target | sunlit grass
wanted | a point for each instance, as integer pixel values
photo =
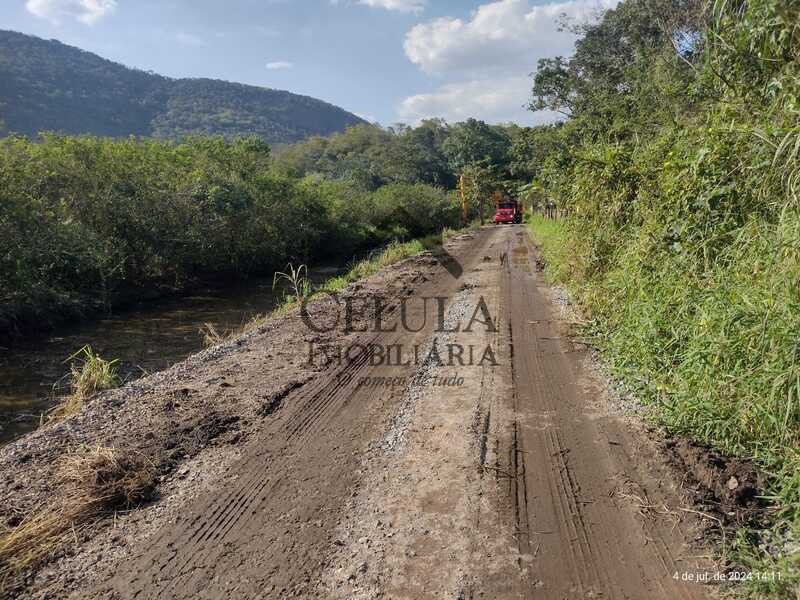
(89, 374)
(301, 289)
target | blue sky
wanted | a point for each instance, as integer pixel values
(388, 60)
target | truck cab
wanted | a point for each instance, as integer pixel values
(508, 211)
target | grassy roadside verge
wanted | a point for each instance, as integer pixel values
(710, 354)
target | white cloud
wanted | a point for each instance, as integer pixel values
(408, 6)
(495, 100)
(484, 61)
(412, 6)
(504, 34)
(279, 65)
(88, 12)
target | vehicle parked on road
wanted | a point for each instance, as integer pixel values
(508, 210)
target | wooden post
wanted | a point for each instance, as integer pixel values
(464, 206)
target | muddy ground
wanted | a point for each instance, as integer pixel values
(487, 457)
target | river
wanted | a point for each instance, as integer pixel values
(145, 339)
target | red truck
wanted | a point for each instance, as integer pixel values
(508, 211)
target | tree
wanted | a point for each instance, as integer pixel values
(419, 152)
(474, 142)
(608, 83)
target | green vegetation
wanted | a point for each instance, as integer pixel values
(393, 253)
(49, 86)
(554, 243)
(87, 223)
(677, 171)
(434, 153)
(296, 279)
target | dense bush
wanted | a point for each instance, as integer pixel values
(87, 223)
(434, 153)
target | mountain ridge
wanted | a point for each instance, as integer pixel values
(47, 85)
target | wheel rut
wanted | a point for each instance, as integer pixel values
(269, 535)
(580, 541)
(515, 481)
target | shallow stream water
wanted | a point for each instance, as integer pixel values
(146, 339)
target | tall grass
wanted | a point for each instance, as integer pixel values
(680, 182)
(296, 279)
(716, 352)
(554, 245)
(393, 253)
(89, 374)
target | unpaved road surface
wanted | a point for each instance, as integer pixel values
(486, 458)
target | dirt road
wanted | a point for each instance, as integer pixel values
(482, 456)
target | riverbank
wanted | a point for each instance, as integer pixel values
(147, 338)
(195, 413)
(88, 223)
(34, 373)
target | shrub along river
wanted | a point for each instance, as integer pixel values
(33, 373)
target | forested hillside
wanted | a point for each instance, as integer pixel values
(49, 86)
(676, 173)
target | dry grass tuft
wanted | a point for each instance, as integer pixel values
(109, 478)
(211, 335)
(89, 374)
(95, 482)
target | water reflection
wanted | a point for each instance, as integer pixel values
(147, 339)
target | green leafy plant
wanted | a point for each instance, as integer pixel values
(296, 279)
(676, 176)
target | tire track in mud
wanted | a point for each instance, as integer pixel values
(440, 488)
(580, 541)
(269, 535)
(560, 480)
(330, 391)
(233, 514)
(545, 500)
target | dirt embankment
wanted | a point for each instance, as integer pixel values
(443, 473)
(193, 422)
